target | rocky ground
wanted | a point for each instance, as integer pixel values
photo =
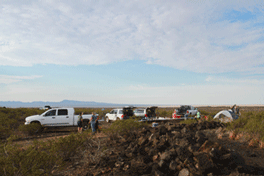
(169, 149)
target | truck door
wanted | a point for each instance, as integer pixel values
(113, 114)
(62, 118)
(49, 118)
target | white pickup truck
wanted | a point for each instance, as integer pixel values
(57, 117)
(183, 111)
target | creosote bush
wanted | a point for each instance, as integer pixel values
(30, 129)
(188, 121)
(124, 127)
(41, 157)
(12, 118)
(250, 122)
(30, 161)
(66, 147)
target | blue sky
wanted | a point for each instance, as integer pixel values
(137, 52)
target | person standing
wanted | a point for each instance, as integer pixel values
(198, 116)
(233, 108)
(79, 122)
(93, 121)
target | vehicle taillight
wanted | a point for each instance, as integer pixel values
(122, 116)
(187, 112)
(146, 115)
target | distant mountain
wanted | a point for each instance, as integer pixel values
(64, 103)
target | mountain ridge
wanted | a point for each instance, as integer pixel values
(63, 103)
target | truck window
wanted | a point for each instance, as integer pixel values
(63, 112)
(51, 113)
(140, 111)
(121, 112)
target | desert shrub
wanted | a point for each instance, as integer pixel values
(6, 125)
(164, 112)
(41, 157)
(31, 161)
(93, 151)
(188, 121)
(124, 127)
(66, 147)
(203, 112)
(30, 129)
(250, 122)
(12, 118)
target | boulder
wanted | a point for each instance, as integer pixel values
(173, 165)
(205, 163)
(183, 153)
(165, 156)
(142, 140)
(162, 130)
(232, 160)
(184, 172)
(185, 130)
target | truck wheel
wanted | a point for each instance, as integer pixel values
(39, 127)
(86, 125)
(117, 118)
(107, 119)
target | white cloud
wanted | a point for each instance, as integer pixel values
(7, 79)
(209, 78)
(186, 35)
(240, 81)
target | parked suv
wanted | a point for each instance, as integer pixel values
(119, 114)
(146, 113)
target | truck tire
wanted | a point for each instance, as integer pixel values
(86, 125)
(39, 127)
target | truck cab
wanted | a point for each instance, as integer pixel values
(57, 117)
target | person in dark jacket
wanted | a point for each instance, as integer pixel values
(79, 122)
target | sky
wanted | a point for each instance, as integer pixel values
(202, 52)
